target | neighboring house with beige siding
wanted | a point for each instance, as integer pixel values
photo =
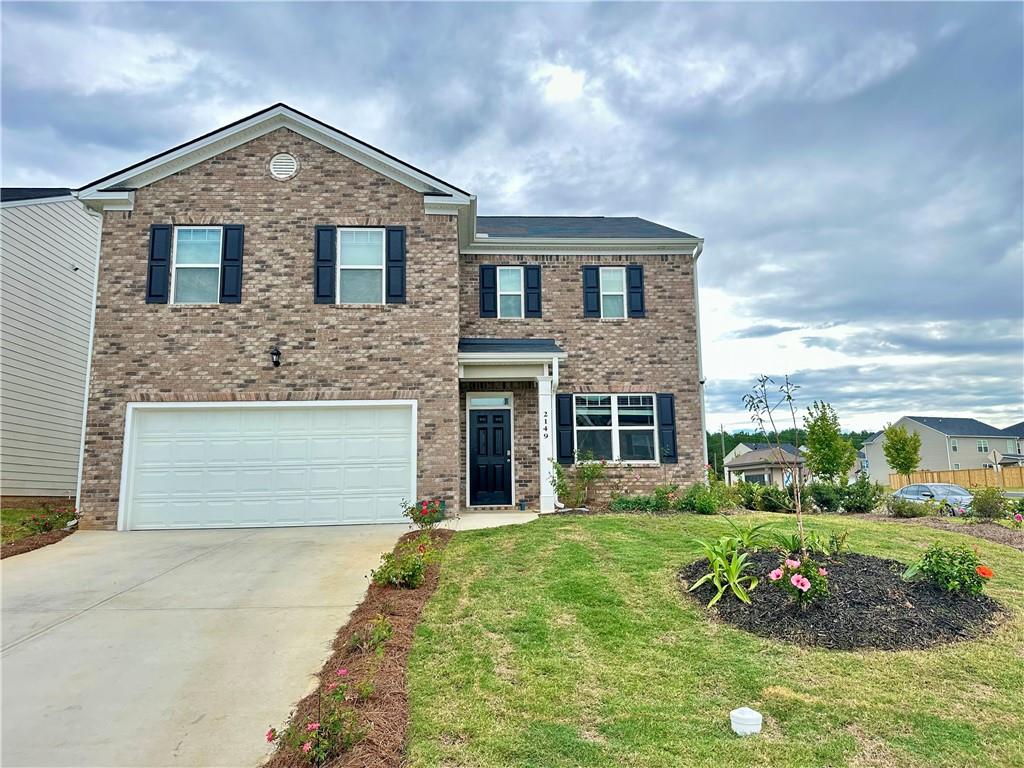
(946, 443)
(49, 245)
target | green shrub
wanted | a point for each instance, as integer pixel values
(988, 504)
(775, 499)
(900, 507)
(955, 569)
(700, 499)
(827, 497)
(406, 566)
(426, 513)
(370, 638)
(574, 483)
(749, 495)
(862, 495)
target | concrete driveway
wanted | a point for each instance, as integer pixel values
(171, 648)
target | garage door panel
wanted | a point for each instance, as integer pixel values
(267, 466)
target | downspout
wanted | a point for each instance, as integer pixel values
(88, 360)
(554, 416)
(700, 364)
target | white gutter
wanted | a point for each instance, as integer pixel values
(88, 360)
(700, 362)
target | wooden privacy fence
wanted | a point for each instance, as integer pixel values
(1006, 477)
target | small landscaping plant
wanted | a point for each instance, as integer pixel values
(49, 520)
(749, 495)
(371, 638)
(1017, 516)
(574, 483)
(827, 497)
(955, 569)
(862, 495)
(727, 569)
(802, 578)
(333, 731)
(406, 566)
(831, 544)
(752, 537)
(425, 514)
(989, 504)
(900, 507)
(775, 499)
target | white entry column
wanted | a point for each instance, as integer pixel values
(546, 418)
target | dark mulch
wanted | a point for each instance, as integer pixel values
(993, 532)
(386, 713)
(869, 607)
(35, 541)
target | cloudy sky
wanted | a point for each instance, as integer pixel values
(856, 170)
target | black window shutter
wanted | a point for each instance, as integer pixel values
(158, 271)
(563, 429)
(488, 290)
(324, 265)
(396, 265)
(231, 264)
(667, 428)
(531, 277)
(591, 292)
(635, 290)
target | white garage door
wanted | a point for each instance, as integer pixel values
(259, 466)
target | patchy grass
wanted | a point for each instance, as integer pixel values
(14, 522)
(565, 642)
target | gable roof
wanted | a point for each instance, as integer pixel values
(18, 194)
(764, 456)
(1014, 430)
(257, 124)
(574, 226)
(958, 427)
(787, 447)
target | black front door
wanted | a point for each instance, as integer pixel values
(490, 457)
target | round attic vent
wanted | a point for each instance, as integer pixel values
(283, 166)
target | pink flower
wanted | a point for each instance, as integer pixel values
(822, 572)
(800, 582)
(1019, 517)
(792, 563)
(307, 746)
(312, 727)
(775, 575)
(271, 734)
(331, 687)
(342, 672)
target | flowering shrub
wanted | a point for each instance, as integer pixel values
(49, 519)
(1017, 520)
(334, 730)
(955, 569)
(803, 579)
(406, 566)
(574, 483)
(426, 513)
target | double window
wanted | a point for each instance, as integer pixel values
(360, 266)
(616, 427)
(510, 292)
(983, 446)
(196, 257)
(613, 292)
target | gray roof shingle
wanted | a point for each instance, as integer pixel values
(500, 346)
(574, 226)
(17, 194)
(958, 427)
(1014, 430)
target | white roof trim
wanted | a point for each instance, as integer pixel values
(558, 246)
(500, 358)
(259, 125)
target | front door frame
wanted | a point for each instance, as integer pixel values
(512, 436)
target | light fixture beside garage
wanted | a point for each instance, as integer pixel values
(275, 356)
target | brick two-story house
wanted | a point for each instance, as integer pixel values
(295, 328)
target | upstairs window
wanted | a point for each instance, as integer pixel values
(360, 266)
(613, 292)
(196, 259)
(510, 292)
(616, 427)
(983, 446)
(954, 446)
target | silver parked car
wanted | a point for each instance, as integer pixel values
(954, 499)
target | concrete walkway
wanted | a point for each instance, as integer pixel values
(171, 648)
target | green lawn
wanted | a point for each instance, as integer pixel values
(12, 523)
(565, 642)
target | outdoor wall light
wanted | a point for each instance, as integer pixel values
(275, 356)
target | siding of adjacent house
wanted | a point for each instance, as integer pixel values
(45, 313)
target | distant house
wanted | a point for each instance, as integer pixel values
(49, 245)
(946, 443)
(763, 464)
(1014, 432)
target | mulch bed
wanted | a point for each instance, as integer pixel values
(869, 607)
(35, 541)
(999, 534)
(386, 713)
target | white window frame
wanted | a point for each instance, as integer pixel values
(954, 445)
(983, 446)
(615, 428)
(623, 293)
(956, 466)
(521, 293)
(175, 266)
(339, 267)
(1011, 446)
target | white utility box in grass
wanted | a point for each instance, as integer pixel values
(745, 721)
